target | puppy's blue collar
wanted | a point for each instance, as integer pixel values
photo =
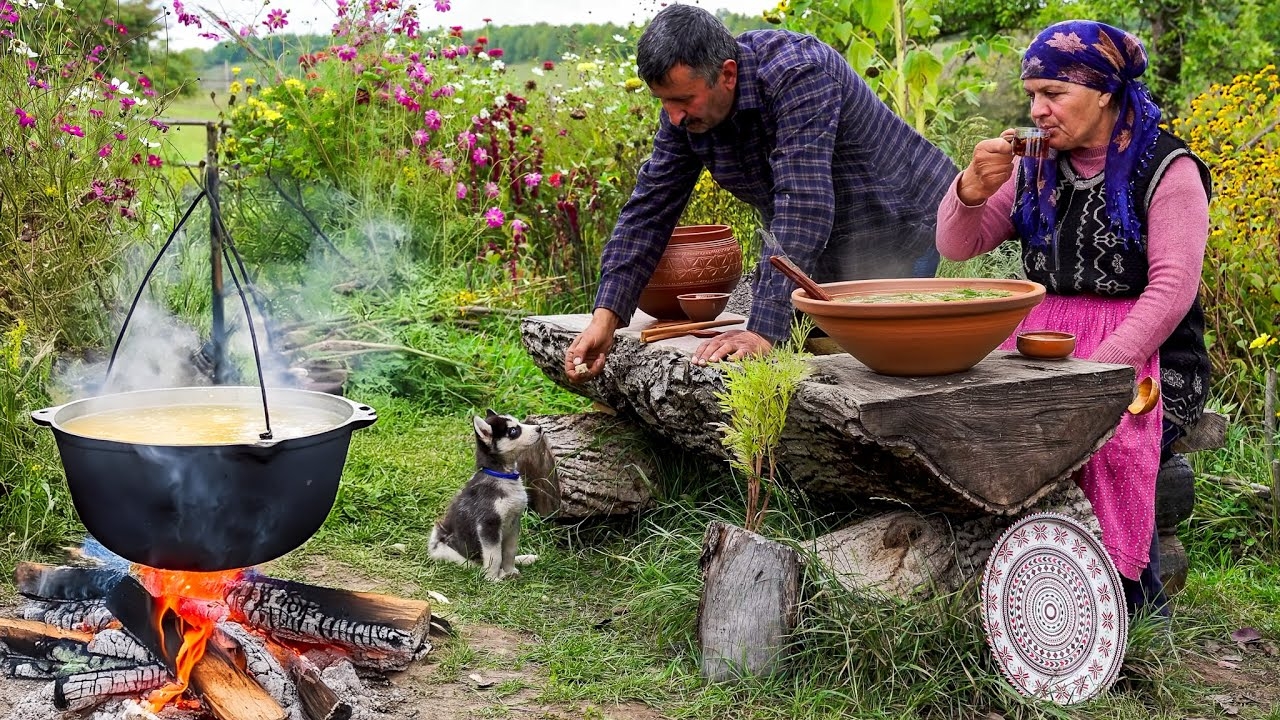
(500, 474)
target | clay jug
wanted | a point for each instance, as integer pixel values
(698, 258)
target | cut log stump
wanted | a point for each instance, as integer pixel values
(1173, 564)
(592, 465)
(750, 603)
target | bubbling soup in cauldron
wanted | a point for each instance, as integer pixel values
(952, 295)
(200, 424)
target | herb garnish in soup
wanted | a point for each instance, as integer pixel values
(951, 295)
(200, 424)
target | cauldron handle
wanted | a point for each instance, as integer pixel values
(215, 217)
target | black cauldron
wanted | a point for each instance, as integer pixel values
(205, 507)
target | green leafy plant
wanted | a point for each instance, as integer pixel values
(757, 393)
(894, 45)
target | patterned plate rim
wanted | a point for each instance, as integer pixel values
(1111, 575)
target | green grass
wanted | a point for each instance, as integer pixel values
(188, 143)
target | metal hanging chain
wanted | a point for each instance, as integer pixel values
(228, 250)
(145, 279)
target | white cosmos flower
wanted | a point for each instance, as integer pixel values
(499, 66)
(619, 38)
(538, 71)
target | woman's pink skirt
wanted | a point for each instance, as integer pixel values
(1120, 479)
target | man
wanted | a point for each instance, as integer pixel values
(779, 119)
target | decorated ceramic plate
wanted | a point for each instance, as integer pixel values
(1053, 609)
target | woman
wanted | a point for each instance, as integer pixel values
(1113, 222)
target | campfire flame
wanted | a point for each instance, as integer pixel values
(196, 598)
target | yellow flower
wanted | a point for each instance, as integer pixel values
(587, 67)
(295, 84)
(235, 88)
(633, 84)
(235, 70)
(1263, 340)
(250, 82)
(50, 190)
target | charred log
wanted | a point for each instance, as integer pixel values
(319, 701)
(25, 637)
(81, 691)
(264, 668)
(59, 582)
(120, 644)
(379, 631)
(81, 615)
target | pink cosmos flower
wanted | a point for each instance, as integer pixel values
(9, 13)
(441, 6)
(494, 217)
(24, 119)
(346, 53)
(518, 228)
(495, 53)
(121, 137)
(480, 157)
(71, 129)
(491, 190)
(532, 179)
(95, 113)
(462, 191)
(154, 161)
(432, 120)
(421, 137)
(104, 151)
(276, 19)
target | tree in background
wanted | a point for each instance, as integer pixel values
(896, 46)
(1185, 38)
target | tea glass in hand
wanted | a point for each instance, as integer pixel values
(1030, 142)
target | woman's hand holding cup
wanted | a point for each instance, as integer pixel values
(991, 166)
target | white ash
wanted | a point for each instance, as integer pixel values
(366, 703)
(82, 615)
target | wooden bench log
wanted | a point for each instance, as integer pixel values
(593, 465)
(994, 439)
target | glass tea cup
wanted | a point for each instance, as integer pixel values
(1030, 142)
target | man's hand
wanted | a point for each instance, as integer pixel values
(731, 345)
(991, 166)
(584, 359)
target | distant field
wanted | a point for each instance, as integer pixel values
(187, 144)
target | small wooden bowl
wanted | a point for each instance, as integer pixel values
(703, 306)
(1145, 396)
(1046, 344)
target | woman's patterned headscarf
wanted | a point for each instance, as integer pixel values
(1110, 60)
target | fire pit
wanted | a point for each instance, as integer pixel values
(163, 502)
(920, 326)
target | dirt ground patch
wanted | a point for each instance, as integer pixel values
(1241, 679)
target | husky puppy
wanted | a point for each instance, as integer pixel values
(482, 522)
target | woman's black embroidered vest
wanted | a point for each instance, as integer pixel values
(1087, 257)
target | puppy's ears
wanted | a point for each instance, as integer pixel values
(482, 428)
(490, 413)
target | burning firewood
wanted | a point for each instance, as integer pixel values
(319, 701)
(264, 668)
(227, 693)
(379, 631)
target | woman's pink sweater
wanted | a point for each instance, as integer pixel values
(1177, 229)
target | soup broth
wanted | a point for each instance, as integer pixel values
(200, 424)
(952, 295)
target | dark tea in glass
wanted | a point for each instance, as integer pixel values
(1030, 142)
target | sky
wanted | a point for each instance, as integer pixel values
(317, 16)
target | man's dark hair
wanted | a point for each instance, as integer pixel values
(684, 35)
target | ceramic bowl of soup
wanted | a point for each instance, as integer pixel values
(183, 479)
(920, 326)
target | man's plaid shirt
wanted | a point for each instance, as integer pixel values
(848, 189)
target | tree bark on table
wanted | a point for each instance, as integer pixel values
(995, 439)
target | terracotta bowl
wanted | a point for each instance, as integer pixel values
(1046, 344)
(703, 306)
(920, 338)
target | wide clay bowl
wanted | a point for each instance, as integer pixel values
(698, 259)
(922, 336)
(1046, 344)
(703, 306)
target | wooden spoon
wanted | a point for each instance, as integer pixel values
(799, 277)
(1145, 396)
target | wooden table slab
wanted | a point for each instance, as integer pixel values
(994, 439)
